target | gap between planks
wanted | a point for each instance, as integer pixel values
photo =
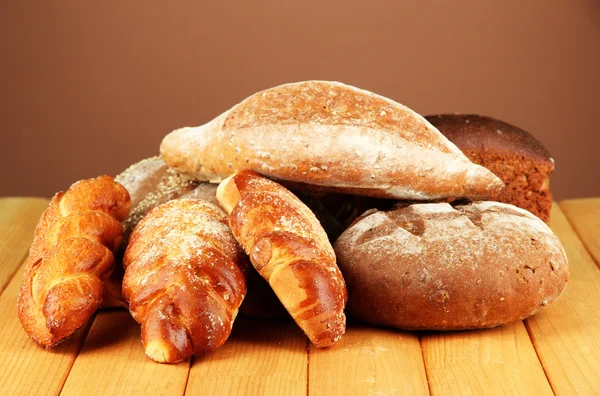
(27, 368)
(584, 217)
(565, 334)
(18, 218)
(368, 361)
(47, 366)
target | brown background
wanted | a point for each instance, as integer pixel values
(89, 87)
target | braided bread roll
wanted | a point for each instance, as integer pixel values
(184, 279)
(70, 258)
(289, 248)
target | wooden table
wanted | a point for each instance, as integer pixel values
(556, 351)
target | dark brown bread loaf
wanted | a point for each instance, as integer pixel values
(512, 154)
(439, 267)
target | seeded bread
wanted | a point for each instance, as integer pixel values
(439, 267)
(151, 182)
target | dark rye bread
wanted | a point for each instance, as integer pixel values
(512, 154)
(443, 267)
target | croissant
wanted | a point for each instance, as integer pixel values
(70, 258)
(184, 279)
(290, 249)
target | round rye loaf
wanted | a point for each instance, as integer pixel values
(443, 267)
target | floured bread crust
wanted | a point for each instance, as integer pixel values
(331, 135)
(151, 182)
(184, 279)
(289, 248)
(439, 267)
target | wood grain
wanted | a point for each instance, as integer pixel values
(270, 357)
(584, 216)
(112, 362)
(261, 357)
(25, 368)
(18, 218)
(368, 361)
(494, 361)
(566, 334)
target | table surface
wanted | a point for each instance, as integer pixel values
(556, 351)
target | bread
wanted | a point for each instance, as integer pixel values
(151, 182)
(70, 258)
(184, 279)
(438, 267)
(261, 301)
(289, 248)
(512, 154)
(334, 136)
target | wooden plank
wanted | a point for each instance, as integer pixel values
(566, 334)
(584, 216)
(496, 361)
(25, 368)
(112, 362)
(261, 357)
(18, 218)
(368, 361)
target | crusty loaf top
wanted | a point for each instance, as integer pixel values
(413, 228)
(334, 136)
(333, 103)
(444, 267)
(481, 133)
(442, 220)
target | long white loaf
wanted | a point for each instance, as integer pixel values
(334, 136)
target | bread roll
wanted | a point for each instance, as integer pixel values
(289, 248)
(71, 258)
(334, 136)
(438, 267)
(184, 279)
(151, 182)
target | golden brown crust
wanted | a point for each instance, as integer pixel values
(438, 267)
(261, 301)
(290, 249)
(151, 182)
(70, 258)
(184, 279)
(359, 143)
